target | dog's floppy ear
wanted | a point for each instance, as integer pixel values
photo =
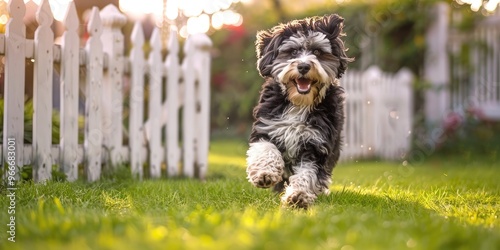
(331, 26)
(267, 49)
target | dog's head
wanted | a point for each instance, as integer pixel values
(305, 56)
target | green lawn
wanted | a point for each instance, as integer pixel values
(443, 203)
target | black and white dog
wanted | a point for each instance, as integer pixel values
(295, 140)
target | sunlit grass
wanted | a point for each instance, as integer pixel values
(438, 204)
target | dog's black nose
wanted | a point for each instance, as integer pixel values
(303, 68)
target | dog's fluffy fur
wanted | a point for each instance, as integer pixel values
(295, 140)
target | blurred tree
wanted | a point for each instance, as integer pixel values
(236, 82)
(278, 7)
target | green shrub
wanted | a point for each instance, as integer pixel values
(471, 138)
(28, 123)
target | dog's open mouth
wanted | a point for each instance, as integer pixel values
(303, 85)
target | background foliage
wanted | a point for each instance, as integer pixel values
(389, 33)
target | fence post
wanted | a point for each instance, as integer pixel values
(436, 66)
(15, 53)
(42, 94)
(136, 128)
(154, 108)
(93, 124)
(112, 89)
(69, 94)
(202, 63)
(172, 126)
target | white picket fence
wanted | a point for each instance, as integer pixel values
(379, 114)
(477, 85)
(106, 69)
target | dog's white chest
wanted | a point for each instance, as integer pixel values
(292, 131)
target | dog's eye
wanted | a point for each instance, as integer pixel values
(295, 52)
(317, 52)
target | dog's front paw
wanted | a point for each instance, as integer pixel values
(265, 179)
(297, 198)
(264, 164)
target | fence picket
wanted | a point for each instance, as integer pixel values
(154, 108)
(404, 81)
(42, 94)
(93, 124)
(172, 126)
(136, 129)
(69, 95)
(202, 46)
(347, 133)
(371, 78)
(15, 51)
(188, 122)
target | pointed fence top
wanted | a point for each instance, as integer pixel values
(137, 35)
(71, 19)
(155, 40)
(44, 15)
(111, 16)
(94, 25)
(17, 9)
(173, 43)
(188, 45)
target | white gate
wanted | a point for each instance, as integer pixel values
(379, 114)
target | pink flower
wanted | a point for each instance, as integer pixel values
(452, 121)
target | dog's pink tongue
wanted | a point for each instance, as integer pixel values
(303, 84)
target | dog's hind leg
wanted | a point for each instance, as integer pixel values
(264, 164)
